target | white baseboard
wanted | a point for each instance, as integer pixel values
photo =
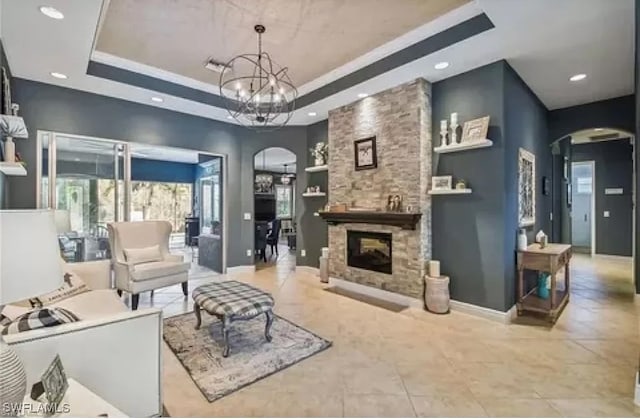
(308, 269)
(613, 257)
(241, 269)
(483, 312)
(486, 313)
(377, 293)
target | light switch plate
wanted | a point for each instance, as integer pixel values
(247, 216)
(249, 252)
(303, 253)
(606, 214)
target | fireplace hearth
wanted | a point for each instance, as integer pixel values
(371, 251)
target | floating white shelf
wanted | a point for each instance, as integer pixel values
(450, 192)
(322, 168)
(463, 146)
(13, 169)
(312, 194)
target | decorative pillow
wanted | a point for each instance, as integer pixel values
(10, 312)
(36, 319)
(143, 254)
(73, 285)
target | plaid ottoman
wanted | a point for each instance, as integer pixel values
(230, 301)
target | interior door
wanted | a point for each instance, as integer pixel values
(582, 208)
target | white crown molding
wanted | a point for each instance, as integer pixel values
(147, 70)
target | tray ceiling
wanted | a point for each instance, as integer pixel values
(310, 37)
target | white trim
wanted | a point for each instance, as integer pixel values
(377, 293)
(613, 257)
(241, 269)
(123, 63)
(308, 269)
(504, 317)
(466, 308)
(636, 400)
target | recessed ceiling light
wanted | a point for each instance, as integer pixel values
(312, 114)
(51, 12)
(157, 99)
(362, 95)
(58, 75)
(599, 129)
(578, 77)
(229, 117)
(441, 66)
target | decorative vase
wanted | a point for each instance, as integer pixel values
(436, 294)
(522, 240)
(320, 161)
(543, 285)
(9, 150)
(13, 382)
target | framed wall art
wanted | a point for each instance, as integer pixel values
(441, 183)
(475, 130)
(526, 188)
(263, 184)
(366, 156)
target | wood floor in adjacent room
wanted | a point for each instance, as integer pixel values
(413, 363)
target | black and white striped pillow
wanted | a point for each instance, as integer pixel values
(44, 317)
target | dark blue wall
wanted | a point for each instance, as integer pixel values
(616, 113)
(525, 127)
(162, 171)
(468, 230)
(474, 236)
(614, 169)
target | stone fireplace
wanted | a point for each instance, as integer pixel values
(370, 251)
(382, 255)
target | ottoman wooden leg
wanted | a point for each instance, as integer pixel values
(267, 328)
(196, 310)
(226, 325)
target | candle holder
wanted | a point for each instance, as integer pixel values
(454, 134)
(454, 129)
(443, 133)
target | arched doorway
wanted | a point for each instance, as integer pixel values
(594, 196)
(274, 208)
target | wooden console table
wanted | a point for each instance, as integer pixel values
(550, 259)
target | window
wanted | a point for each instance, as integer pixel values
(161, 201)
(284, 201)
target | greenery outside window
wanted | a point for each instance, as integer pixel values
(284, 201)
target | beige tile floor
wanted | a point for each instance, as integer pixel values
(414, 363)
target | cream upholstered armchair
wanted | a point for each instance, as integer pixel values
(141, 258)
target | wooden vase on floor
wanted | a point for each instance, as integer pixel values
(436, 294)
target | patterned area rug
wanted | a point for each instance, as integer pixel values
(251, 357)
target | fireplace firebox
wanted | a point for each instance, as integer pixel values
(370, 251)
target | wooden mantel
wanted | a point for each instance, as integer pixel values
(404, 220)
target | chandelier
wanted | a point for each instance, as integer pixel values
(258, 91)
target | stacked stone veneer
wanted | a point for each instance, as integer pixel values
(400, 118)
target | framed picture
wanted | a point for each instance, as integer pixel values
(475, 130)
(441, 183)
(394, 203)
(526, 188)
(366, 156)
(54, 382)
(263, 184)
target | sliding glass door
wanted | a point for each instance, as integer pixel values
(84, 180)
(93, 182)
